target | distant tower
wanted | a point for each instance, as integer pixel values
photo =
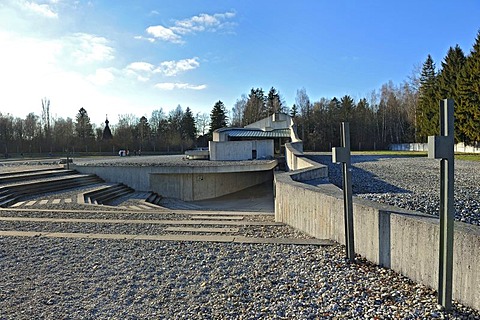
(107, 133)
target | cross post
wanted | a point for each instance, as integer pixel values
(441, 147)
(342, 155)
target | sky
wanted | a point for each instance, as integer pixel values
(133, 57)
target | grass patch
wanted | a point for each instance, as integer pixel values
(392, 153)
(458, 156)
(467, 156)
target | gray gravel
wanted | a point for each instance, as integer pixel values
(161, 161)
(64, 278)
(105, 279)
(410, 182)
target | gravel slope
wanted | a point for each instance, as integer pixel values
(410, 182)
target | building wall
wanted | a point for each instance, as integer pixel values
(240, 150)
(275, 121)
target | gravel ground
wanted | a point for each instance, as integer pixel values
(410, 182)
(64, 278)
(162, 161)
(109, 279)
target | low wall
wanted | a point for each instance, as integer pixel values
(405, 241)
(295, 158)
(459, 147)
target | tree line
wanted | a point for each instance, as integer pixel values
(395, 113)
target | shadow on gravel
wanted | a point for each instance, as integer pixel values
(362, 181)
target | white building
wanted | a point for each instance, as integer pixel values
(260, 140)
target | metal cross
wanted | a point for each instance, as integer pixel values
(342, 154)
(441, 147)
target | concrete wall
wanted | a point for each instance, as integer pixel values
(402, 240)
(297, 161)
(274, 121)
(459, 147)
(240, 150)
(200, 186)
(187, 183)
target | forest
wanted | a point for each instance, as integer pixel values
(395, 113)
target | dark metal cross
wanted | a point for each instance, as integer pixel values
(342, 154)
(441, 147)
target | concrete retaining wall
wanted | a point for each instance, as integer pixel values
(200, 186)
(187, 183)
(405, 241)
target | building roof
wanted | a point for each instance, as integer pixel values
(257, 133)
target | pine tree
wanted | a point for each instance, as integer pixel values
(452, 66)
(274, 102)
(468, 104)
(255, 108)
(189, 129)
(427, 108)
(218, 117)
(83, 127)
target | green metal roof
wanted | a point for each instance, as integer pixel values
(249, 133)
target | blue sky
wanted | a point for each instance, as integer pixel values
(133, 57)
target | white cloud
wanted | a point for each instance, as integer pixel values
(33, 68)
(172, 68)
(143, 71)
(175, 85)
(151, 40)
(165, 34)
(141, 66)
(40, 9)
(101, 77)
(201, 23)
(87, 48)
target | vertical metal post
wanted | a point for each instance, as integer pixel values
(342, 154)
(441, 147)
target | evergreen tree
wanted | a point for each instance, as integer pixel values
(189, 129)
(142, 132)
(427, 107)
(255, 107)
(468, 104)
(347, 108)
(452, 66)
(218, 117)
(294, 111)
(274, 102)
(83, 127)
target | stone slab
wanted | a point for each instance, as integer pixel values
(18, 204)
(167, 222)
(56, 201)
(209, 230)
(173, 237)
(316, 242)
(216, 218)
(43, 202)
